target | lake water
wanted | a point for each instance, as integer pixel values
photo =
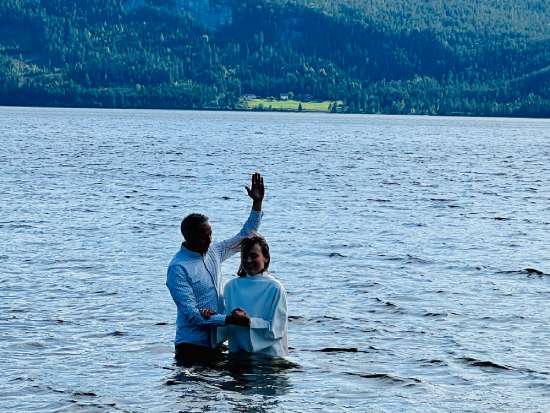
(415, 252)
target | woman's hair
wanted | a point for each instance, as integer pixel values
(247, 244)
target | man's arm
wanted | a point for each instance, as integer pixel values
(227, 248)
(184, 297)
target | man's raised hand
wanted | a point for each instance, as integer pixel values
(256, 191)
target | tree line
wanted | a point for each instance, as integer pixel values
(413, 57)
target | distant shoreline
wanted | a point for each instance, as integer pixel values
(305, 111)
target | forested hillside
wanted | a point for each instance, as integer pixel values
(486, 57)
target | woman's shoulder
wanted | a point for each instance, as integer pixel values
(266, 278)
(273, 281)
(233, 281)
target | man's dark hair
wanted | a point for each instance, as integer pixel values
(246, 246)
(190, 223)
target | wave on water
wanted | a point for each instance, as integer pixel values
(443, 200)
(336, 255)
(79, 399)
(525, 271)
(378, 200)
(117, 333)
(407, 259)
(386, 303)
(340, 350)
(84, 393)
(389, 378)
(431, 314)
(321, 319)
(485, 363)
(434, 362)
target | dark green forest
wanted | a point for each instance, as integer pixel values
(454, 57)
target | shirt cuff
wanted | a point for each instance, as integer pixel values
(218, 319)
(258, 214)
(256, 322)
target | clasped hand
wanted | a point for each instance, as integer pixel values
(238, 316)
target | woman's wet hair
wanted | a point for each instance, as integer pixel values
(247, 244)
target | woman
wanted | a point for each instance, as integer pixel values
(260, 297)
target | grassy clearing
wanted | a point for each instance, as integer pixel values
(290, 104)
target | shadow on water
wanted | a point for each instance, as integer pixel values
(245, 374)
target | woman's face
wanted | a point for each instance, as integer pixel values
(253, 261)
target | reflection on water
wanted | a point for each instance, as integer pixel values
(254, 374)
(248, 375)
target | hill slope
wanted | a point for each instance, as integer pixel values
(416, 56)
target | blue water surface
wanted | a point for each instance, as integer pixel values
(415, 252)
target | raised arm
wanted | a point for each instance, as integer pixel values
(184, 297)
(256, 192)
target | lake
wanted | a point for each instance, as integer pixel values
(415, 252)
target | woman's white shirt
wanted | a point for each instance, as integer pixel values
(264, 300)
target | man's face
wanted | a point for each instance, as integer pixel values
(201, 238)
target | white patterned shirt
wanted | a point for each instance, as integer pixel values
(194, 281)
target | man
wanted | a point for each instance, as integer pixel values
(194, 280)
